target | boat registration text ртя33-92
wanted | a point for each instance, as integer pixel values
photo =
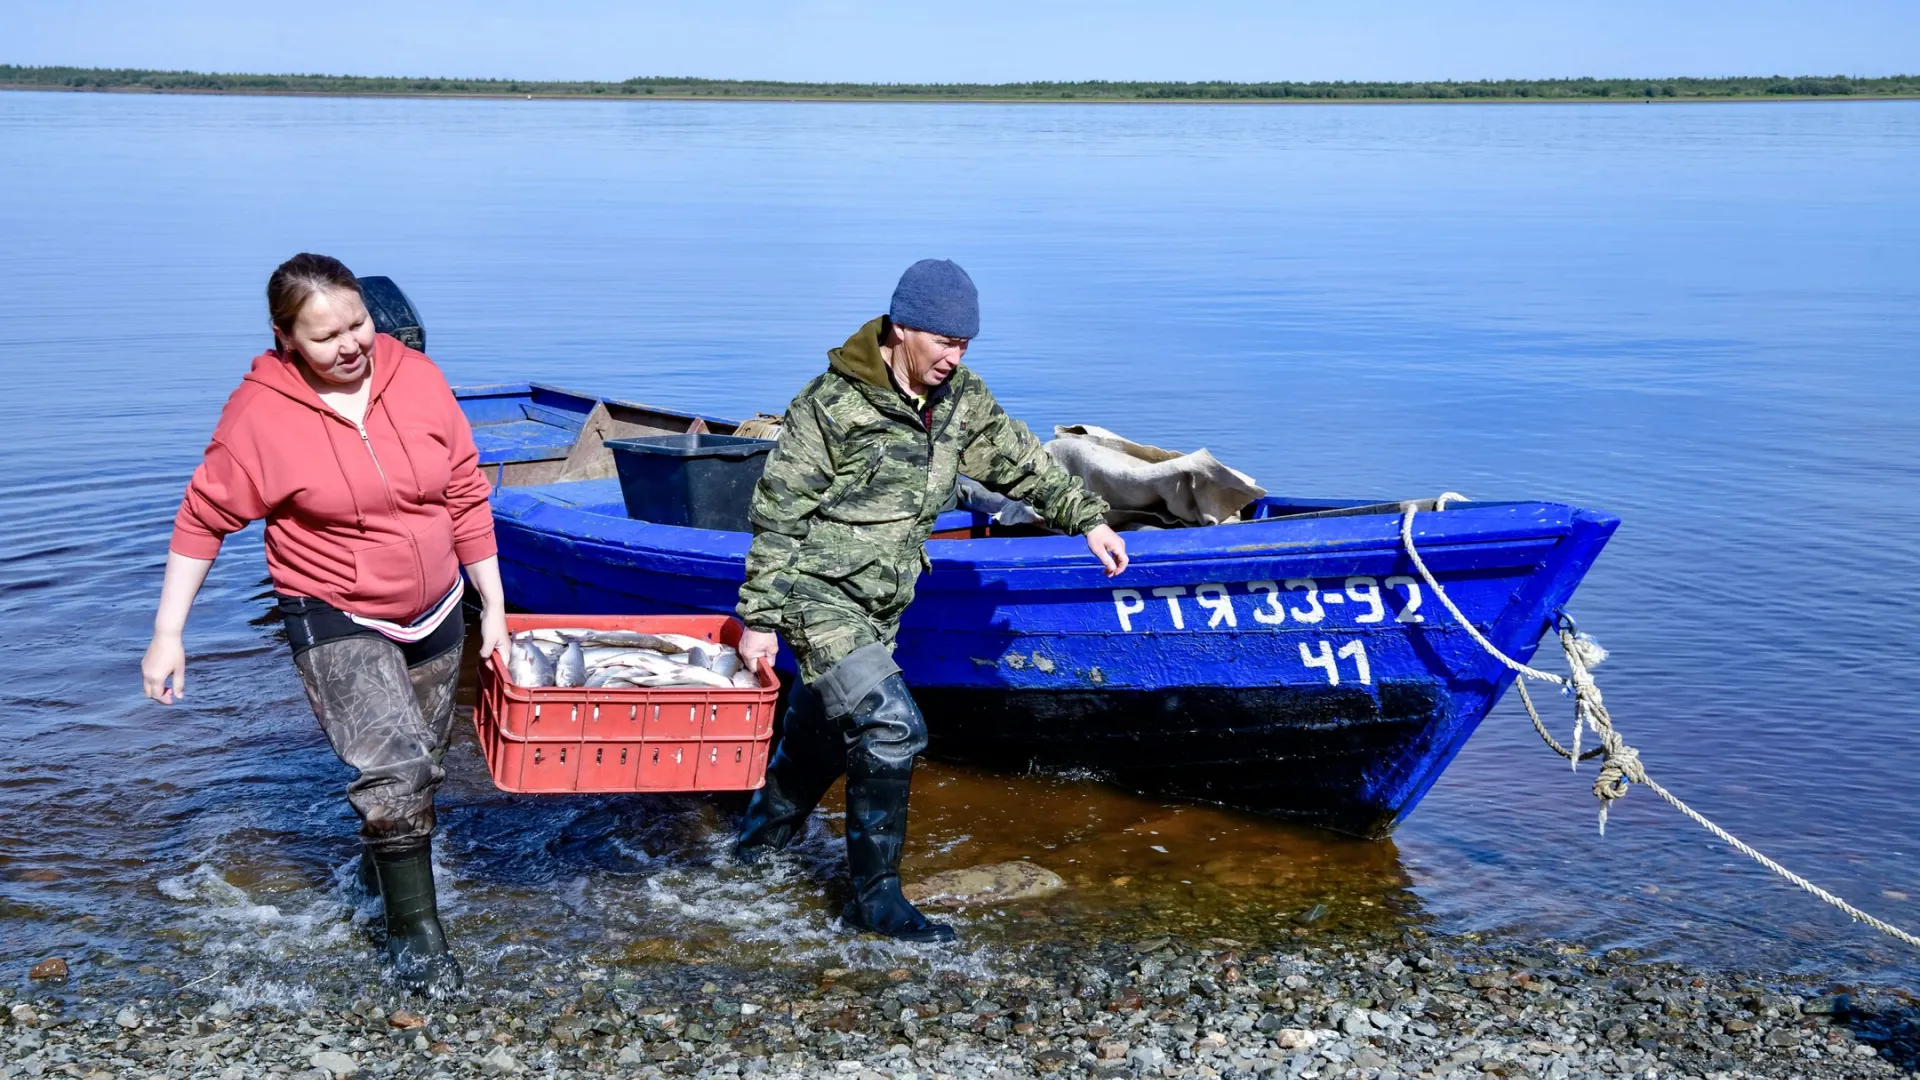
(1216, 605)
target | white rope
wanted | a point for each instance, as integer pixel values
(1620, 765)
(1406, 539)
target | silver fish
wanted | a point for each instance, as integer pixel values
(571, 670)
(699, 676)
(626, 639)
(528, 664)
(661, 682)
(616, 678)
(603, 656)
(683, 643)
(616, 672)
(614, 659)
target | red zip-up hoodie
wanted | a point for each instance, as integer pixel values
(375, 520)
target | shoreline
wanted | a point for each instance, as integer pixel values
(1381, 1007)
(929, 99)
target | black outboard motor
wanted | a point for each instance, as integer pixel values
(393, 313)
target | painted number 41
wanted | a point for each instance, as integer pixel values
(1327, 659)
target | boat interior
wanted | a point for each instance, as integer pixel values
(534, 435)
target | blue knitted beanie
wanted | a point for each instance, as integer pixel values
(937, 296)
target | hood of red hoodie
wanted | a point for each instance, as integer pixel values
(281, 375)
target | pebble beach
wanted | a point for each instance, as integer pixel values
(1382, 1008)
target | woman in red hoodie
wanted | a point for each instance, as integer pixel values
(352, 448)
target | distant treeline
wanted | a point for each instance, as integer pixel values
(1490, 90)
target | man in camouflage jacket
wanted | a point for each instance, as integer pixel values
(869, 452)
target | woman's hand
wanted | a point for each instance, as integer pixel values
(166, 659)
(493, 633)
(1107, 546)
(484, 576)
(756, 645)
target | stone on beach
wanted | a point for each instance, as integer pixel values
(498, 1062)
(1295, 1038)
(995, 883)
(334, 1063)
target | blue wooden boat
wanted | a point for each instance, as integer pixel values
(1292, 665)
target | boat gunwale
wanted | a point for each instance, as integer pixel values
(1465, 527)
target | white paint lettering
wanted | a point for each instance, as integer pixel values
(1213, 597)
(1173, 593)
(1272, 614)
(1322, 660)
(1358, 653)
(1411, 612)
(1365, 590)
(1127, 603)
(1314, 612)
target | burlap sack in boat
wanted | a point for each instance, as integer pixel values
(762, 426)
(1151, 487)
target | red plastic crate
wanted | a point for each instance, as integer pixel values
(552, 740)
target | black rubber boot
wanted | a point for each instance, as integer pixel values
(884, 733)
(415, 943)
(808, 760)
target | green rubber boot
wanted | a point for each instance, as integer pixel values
(415, 942)
(369, 877)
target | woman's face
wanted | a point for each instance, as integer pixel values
(334, 335)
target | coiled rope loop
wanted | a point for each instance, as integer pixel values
(1620, 766)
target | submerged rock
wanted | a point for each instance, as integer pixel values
(995, 883)
(51, 968)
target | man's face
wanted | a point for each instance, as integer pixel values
(930, 358)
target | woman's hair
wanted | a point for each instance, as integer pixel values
(295, 281)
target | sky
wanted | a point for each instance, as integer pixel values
(975, 40)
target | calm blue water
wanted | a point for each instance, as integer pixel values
(1704, 318)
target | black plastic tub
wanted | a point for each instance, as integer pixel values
(698, 481)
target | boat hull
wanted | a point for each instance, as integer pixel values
(1307, 754)
(1293, 666)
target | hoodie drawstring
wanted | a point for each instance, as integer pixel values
(412, 469)
(326, 432)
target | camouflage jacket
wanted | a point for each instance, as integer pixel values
(851, 492)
